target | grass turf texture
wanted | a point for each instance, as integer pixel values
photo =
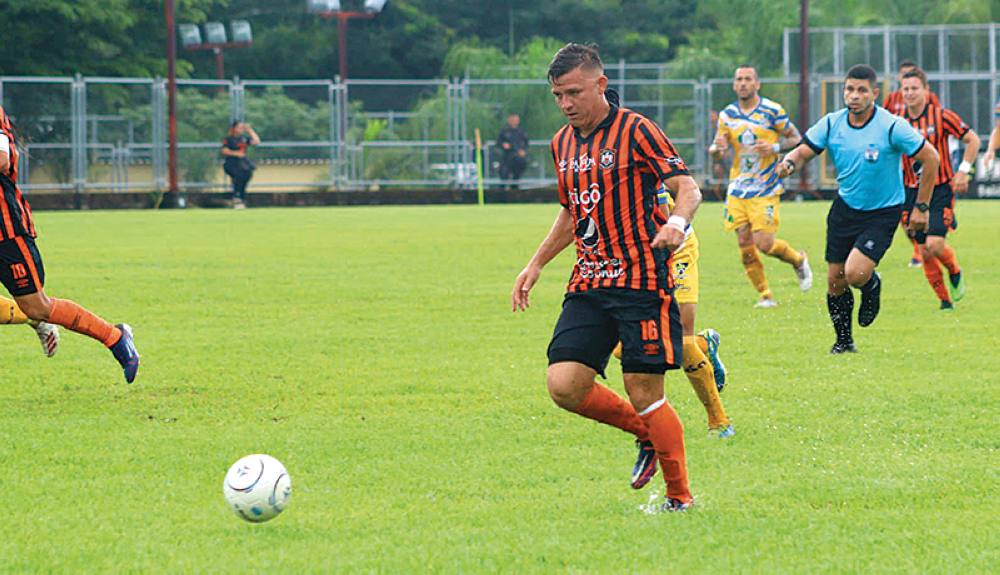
(373, 351)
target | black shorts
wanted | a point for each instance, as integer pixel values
(648, 323)
(21, 270)
(941, 213)
(869, 231)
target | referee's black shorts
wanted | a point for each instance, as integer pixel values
(869, 231)
(592, 322)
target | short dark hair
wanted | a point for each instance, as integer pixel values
(916, 73)
(750, 66)
(907, 64)
(863, 72)
(573, 56)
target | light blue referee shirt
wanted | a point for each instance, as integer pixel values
(868, 159)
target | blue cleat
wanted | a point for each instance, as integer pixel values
(721, 432)
(713, 338)
(645, 466)
(125, 352)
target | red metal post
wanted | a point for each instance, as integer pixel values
(172, 96)
(804, 84)
(220, 68)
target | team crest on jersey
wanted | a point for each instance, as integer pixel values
(871, 155)
(607, 159)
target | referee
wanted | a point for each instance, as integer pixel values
(866, 144)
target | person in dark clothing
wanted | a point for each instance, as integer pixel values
(513, 143)
(237, 165)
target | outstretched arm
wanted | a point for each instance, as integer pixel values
(560, 236)
(794, 160)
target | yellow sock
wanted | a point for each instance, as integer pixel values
(10, 313)
(755, 271)
(785, 253)
(699, 372)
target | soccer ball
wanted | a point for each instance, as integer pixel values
(257, 488)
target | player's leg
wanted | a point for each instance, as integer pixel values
(701, 373)
(841, 233)
(47, 333)
(737, 219)
(931, 250)
(877, 229)
(652, 340)
(30, 297)
(767, 219)
(956, 281)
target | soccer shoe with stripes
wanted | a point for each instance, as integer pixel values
(722, 431)
(766, 302)
(947, 306)
(675, 506)
(645, 466)
(956, 286)
(871, 301)
(804, 273)
(718, 368)
(125, 352)
(48, 334)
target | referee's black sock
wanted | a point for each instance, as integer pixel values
(841, 308)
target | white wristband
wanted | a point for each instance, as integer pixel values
(677, 222)
(965, 167)
(713, 149)
(776, 148)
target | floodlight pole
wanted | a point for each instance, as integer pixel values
(342, 18)
(217, 49)
(171, 97)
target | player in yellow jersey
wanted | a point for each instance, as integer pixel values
(47, 333)
(758, 130)
(700, 354)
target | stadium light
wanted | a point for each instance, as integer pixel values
(216, 39)
(215, 33)
(331, 9)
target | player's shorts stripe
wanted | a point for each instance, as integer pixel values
(29, 259)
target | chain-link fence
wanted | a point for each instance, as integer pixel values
(110, 134)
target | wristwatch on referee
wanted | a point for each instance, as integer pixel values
(922, 206)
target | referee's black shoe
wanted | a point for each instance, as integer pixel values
(870, 300)
(839, 348)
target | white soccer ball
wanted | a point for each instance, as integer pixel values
(257, 488)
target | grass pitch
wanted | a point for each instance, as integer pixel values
(373, 351)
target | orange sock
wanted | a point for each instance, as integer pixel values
(916, 251)
(947, 258)
(667, 434)
(932, 271)
(73, 317)
(609, 408)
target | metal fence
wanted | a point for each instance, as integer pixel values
(110, 134)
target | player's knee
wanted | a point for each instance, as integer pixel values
(36, 310)
(858, 278)
(764, 243)
(564, 393)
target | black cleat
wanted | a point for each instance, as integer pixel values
(871, 296)
(839, 348)
(947, 305)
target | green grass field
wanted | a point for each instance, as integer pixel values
(373, 351)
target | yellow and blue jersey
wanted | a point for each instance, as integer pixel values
(753, 176)
(666, 203)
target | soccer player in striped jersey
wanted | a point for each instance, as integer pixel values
(894, 103)
(757, 129)
(937, 125)
(610, 162)
(22, 272)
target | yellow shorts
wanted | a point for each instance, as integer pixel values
(684, 267)
(761, 214)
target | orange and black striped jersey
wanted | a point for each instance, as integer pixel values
(609, 181)
(15, 213)
(936, 124)
(895, 104)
